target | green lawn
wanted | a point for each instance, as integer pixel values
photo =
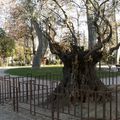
(35, 72)
(53, 71)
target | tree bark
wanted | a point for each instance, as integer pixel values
(91, 27)
(42, 46)
(79, 73)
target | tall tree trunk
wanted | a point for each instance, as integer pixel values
(32, 37)
(42, 46)
(91, 27)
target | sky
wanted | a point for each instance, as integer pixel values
(4, 10)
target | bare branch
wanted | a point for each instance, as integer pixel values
(102, 37)
(108, 38)
(114, 48)
(55, 47)
(87, 2)
(67, 23)
(103, 3)
(96, 48)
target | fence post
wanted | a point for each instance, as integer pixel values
(104, 107)
(34, 98)
(10, 89)
(110, 105)
(17, 99)
(81, 101)
(57, 106)
(0, 92)
(52, 108)
(42, 96)
(116, 97)
(13, 94)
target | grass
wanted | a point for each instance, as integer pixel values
(54, 70)
(35, 72)
(107, 74)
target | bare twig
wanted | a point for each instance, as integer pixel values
(102, 40)
(114, 48)
(66, 22)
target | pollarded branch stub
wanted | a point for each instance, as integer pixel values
(57, 48)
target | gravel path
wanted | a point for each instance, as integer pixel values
(7, 114)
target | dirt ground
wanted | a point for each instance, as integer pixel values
(7, 113)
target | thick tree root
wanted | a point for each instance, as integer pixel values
(71, 95)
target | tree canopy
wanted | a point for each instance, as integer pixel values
(88, 14)
(6, 44)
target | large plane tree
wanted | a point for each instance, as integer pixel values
(80, 64)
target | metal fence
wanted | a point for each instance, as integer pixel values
(33, 95)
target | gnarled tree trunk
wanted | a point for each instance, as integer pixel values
(79, 73)
(80, 65)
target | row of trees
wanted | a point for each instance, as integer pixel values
(28, 19)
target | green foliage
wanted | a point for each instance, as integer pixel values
(2, 33)
(108, 59)
(6, 44)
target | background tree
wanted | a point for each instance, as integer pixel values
(6, 45)
(26, 11)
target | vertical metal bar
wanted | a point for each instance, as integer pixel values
(34, 99)
(88, 94)
(81, 104)
(13, 94)
(5, 88)
(47, 94)
(46, 77)
(38, 94)
(30, 96)
(116, 97)
(10, 89)
(57, 106)
(17, 99)
(62, 106)
(68, 108)
(74, 110)
(104, 110)
(22, 89)
(110, 105)
(43, 96)
(113, 79)
(52, 109)
(0, 92)
(96, 103)
(106, 79)
(109, 74)
(26, 91)
(19, 90)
